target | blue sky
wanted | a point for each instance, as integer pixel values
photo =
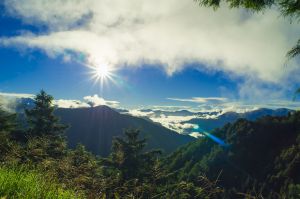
(156, 58)
(148, 85)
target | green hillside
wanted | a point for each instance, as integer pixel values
(25, 184)
(263, 157)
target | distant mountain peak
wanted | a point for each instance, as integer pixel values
(95, 127)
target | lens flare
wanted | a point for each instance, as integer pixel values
(102, 71)
(212, 137)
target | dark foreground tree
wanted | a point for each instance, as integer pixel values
(46, 133)
(41, 118)
(129, 158)
(130, 172)
(7, 121)
(8, 126)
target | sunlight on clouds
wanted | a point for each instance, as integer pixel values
(16, 95)
(62, 103)
(200, 99)
(95, 100)
(139, 113)
(173, 34)
(196, 134)
(175, 123)
(10, 101)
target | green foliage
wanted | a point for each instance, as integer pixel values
(131, 166)
(46, 134)
(9, 149)
(263, 158)
(263, 161)
(255, 5)
(293, 191)
(41, 118)
(23, 184)
(128, 157)
(79, 169)
(293, 53)
(130, 172)
(7, 121)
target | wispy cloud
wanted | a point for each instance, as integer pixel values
(16, 95)
(200, 99)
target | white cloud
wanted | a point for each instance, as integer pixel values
(196, 134)
(244, 106)
(9, 101)
(95, 100)
(139, 113)
(62, 103)
(170, 108)
(175, 122)
(171, 33)
(200, 99)
(88, 101)
(16, 95)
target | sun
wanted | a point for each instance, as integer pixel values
(102, 71)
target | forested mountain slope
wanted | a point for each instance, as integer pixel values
(263, 157)
(229, 117)
(95, 128)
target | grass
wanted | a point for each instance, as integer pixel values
(20, 183)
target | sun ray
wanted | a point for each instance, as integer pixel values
(101, 74)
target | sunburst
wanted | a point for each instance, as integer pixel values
(101, 73)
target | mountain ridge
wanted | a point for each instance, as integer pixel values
(95, 128)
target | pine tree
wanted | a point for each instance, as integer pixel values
(129, 158)
(41, 118)
(44, 127)
(128, 171)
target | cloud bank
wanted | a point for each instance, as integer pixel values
(171, 34)
(200, 99)
(175, 118)
(88, 101)
(95, 100)
(11, 101)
